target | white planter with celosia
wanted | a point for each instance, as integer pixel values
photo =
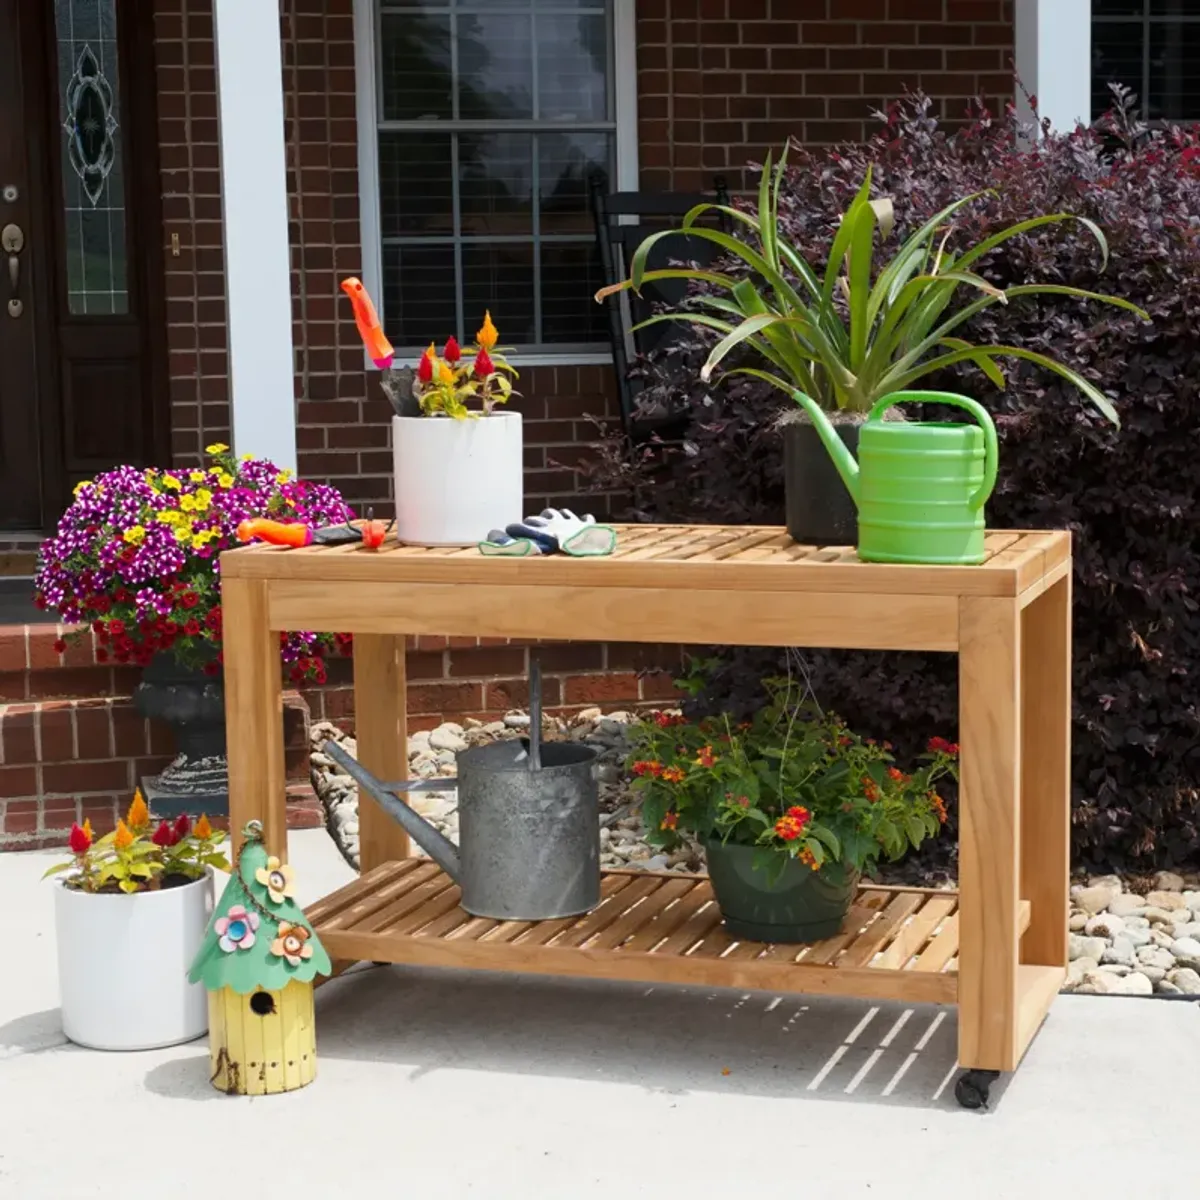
(460, 465)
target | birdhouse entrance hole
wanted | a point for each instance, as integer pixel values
(262, 1003)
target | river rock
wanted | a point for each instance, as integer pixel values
(1138, 935)
(1186, 979)
(1113, 882)
(1104, 925)
(448, 737)
(1078, 969)
(1156, 956)
(1136, 984)
(1171, 901)
(1187, 951)
(1077, 922)
(1193, 900)
(1164, 987)
(1094, 899)
(1086, 947)
(1168, 881)
(1188, 929)
(1120, 952)
(1126, 904)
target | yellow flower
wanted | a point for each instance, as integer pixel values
(197, 476)
(225, 479)
(183, 532)
(203, 499)
(139, 814)
(87, 828)
(171, 482)
(81, 485)
(134, 534)
(283, 476)
(202, 829)
(445, 373)
(488, 335)
(122, 839)
(278, 878)
(168, 516)
(247, 457)
(187, 503)
(216, 448)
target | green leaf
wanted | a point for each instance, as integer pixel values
(915, 828)
(985, 364)
(128, 885)
(826, 837)
(814, 847)
(54, 870)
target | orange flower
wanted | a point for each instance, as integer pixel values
(706, 757)
(674, 775)
(648, 766)
(202, 829)
(122, 839)
(670, 821)
(799, 814)
(788, 828)
(487, 335)
(445, 373)
(87, 829)
(138, 815)
(807, 858)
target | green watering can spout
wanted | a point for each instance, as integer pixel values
(847, 468)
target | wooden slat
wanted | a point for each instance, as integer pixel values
(600, 918)
(715, 944)
(695, 929)
(746, 542)
(445, 902)
(636, 918)
(666, 923)
(942, 949)
(613, 902)
(387, 892)
(913, 936)
(873, 939)
(335, 902)
(423, 887)
(864, 910)
(508, 931)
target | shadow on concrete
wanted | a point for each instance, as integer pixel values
(666, 1039)
(32, 1032)
(184, 1078)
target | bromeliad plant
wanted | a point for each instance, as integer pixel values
(139, 856)
(447, 385)
(856, 332)
(135, 557)
(793, 782)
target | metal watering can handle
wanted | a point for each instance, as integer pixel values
(991, 449)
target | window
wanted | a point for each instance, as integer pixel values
(491, 117)
(1152, 47)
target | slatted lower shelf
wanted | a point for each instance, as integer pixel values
(896, 943)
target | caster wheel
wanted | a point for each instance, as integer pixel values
(972, 1087)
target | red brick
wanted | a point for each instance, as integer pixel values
(58, 735)
(93, 731)
(18, 730)
(12, 648)
(504, 694)
(18, 781)
(573, 657)
(479, 663)
(111, 776)
(41, 646)
(129, 731)
(600, 689)
(19, 822)
(445, 697)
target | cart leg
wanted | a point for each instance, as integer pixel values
(253, 715)
(989, 816)
(1046, 774)
(381, 725)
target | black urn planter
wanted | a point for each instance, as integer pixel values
(818, 508)
(192, 703)
(801, 905)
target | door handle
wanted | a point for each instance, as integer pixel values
(12, 242)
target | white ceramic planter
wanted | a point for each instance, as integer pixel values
(457, 480)
(123, 963)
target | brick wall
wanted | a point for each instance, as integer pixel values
(721, 82)
(343, 431)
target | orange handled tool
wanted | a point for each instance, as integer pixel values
(275, 532)
(367, 320)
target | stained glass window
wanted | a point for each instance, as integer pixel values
(493, 116)
(93, 180)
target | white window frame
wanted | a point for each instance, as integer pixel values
(365, 58)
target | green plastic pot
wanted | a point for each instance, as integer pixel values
(802, 905)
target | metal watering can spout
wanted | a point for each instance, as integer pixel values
(439, 848)
(841, 457)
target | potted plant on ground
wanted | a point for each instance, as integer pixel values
(791, 808)
(843, 338)
(131, 909)
(134, 562)
(459, 460)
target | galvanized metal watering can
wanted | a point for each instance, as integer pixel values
(920, 486)
(528, 823)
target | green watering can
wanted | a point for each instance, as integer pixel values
(919, 486)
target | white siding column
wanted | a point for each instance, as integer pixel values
(258, 287)
(1053, 44)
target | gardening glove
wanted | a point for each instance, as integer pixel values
(561, 529)
(500, 545)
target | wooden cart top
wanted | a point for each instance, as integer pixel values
(672, 557)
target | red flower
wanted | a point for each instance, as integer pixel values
(211, 668)
(483, 364)
(706, 757)
(452, 352)
(79, 840)
(896, 775)
(165, 835)
(101, 654)
(183, 825)
(648, 766)
(191, 627)
(39, 602)
(939, 745)
(788, 828)
(425, 366)
(116, 627)
(670, 821)
(799, 813)
(189, 599)
(59, 645)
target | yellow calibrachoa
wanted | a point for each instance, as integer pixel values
(203, 499)
(134, 534)
(187, 503)
(216, 448)
(225, 479)
(170, 481)
(197, 476)
(81, 485)
(283, 477)
(183, 533)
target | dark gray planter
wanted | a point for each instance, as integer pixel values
(818, 508)
(193, 705)
(802, 905)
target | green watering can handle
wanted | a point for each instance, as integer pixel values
(991, 449)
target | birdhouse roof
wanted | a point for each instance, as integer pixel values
(258, 936)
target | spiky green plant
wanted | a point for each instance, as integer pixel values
(855, 334)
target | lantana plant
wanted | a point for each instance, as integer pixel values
(794, 782)
(140, 856)
(135, 557)
(458, 378)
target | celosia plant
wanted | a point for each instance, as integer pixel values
(793, 781)
(455, 380)
(139, 856)
(135, 557)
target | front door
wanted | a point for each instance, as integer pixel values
(82, 361)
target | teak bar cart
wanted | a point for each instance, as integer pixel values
(997, 947)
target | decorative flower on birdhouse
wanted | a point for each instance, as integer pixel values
(292, 943)
(278, 878)
(235, 930)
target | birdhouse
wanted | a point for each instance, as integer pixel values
(258, 962)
